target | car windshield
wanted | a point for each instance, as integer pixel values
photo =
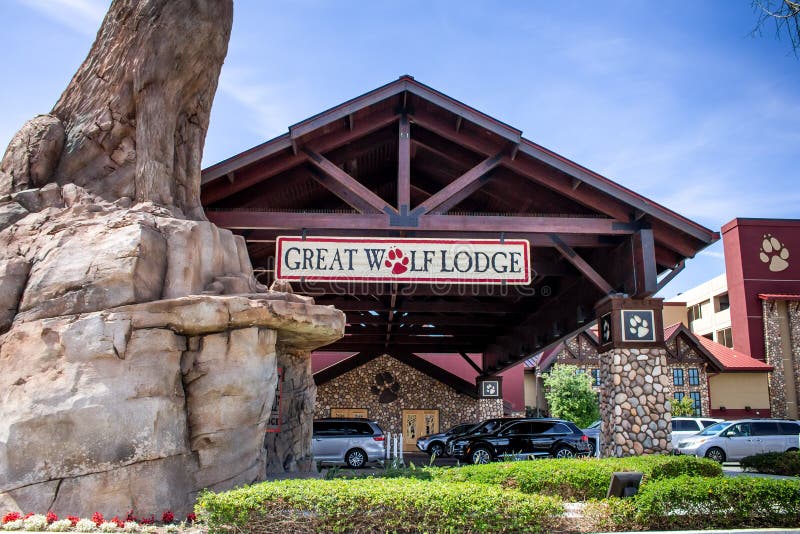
(714, 429)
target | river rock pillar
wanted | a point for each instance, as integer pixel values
(635, 390)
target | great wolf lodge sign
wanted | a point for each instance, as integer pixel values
(377, 259)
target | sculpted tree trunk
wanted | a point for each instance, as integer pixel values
(133, 120)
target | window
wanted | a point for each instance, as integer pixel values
(695, 312)
(678, 395)
(721, 302)
(694, 376)
(710, 336)
(684, 425)
(677, 377)
(695, 396)
(580, 371)
(788, 428)
(724, 337)
(595, 377)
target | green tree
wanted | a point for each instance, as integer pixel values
(570, 395)
(682, 407)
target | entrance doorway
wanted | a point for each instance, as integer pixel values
(418, 423)
(349, 412)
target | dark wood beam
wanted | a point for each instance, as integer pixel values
(404, 165)
(668, 278)
(443, 320)
(248, 220)
(416, 347)
(460, 188)
(346, 187)
(424, 306)
(264, 162)
(348, 364)
(582, 265)
(472, 363)
(644, 263)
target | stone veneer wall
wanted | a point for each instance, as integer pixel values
(635, 402)
(417, 391)
(774, 352)
(488, 408)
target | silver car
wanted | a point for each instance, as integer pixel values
(734, 440)
(353, 442)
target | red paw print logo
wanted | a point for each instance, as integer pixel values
(397, 261)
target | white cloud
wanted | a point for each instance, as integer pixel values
(82, 16)
(271, 104)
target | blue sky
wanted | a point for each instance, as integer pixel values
(675, 100)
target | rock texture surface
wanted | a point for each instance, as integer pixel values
(635, 402)
(138, 354)
(354, 389)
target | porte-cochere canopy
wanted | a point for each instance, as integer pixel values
(407, 161)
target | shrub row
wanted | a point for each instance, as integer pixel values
(367, 505)
(693, 503)
(577, 479)
(773, 463)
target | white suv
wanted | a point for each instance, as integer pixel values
(683, 427)
(733, 440)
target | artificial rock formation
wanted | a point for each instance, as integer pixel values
(138, 354)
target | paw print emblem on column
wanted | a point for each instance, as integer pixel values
(638, 325)
(774, 254)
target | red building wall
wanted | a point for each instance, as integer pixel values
(755, 265)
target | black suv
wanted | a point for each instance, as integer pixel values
(523, 439)
(484, 427)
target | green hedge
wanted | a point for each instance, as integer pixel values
(577, 479)
(367, 505)
(739, 502)
(773, 463)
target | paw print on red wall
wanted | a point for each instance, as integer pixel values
(397, 261)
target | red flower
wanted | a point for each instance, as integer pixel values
(167, 517)
(147, 520)
(51, 517)
(11, 516)
(97, 518)
(130, 516)
(191, 517)
(29, 514)
(73, 519)
(117, 521)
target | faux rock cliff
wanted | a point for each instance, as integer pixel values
(138, 354)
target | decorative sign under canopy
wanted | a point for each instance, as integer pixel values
(376, 259)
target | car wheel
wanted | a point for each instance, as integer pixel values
(592, 448)
(564, 452)
(716, 454)
(481, 455)
(436, 449)
(355, 458)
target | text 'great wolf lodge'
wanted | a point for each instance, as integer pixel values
(457, 261)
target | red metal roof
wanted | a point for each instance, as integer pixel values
(777, 296)
(733, 360)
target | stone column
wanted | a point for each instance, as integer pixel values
(490, 397)
(289, 449)
(635, 390)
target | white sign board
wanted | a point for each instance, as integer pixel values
(405, 260)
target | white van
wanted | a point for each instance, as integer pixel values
(734, 440)
(683, 427)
